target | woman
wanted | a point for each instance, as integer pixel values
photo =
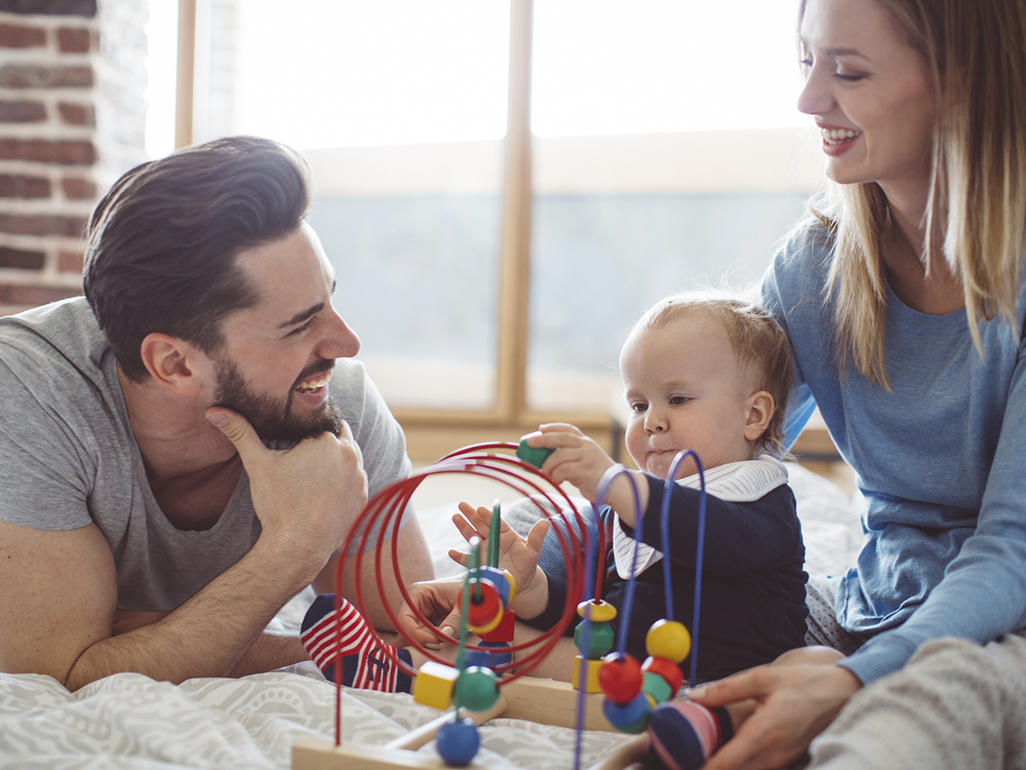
(904, 301)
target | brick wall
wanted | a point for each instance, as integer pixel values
(72, 118)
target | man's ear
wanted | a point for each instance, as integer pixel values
(171, 362)
(760, 408)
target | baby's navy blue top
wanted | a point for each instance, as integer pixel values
(753, 585)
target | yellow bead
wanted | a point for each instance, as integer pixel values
(599, 612)
(512, 585)
(668, 639)
(591, 669)
(491, 625)
(433, 685)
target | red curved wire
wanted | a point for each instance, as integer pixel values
(383, 514)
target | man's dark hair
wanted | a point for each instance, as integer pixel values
(162, 243)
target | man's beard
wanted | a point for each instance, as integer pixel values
(271, 419)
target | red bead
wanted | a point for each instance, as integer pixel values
(620, 677)
(484, 609)
(667, 669)
(502, 632)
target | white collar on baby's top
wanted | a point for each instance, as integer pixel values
(740, 482)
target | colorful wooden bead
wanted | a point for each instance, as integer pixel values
(631, 717)
(667, 669)
(599, 611)
(600, 639)
(457, 742)
(512, 581)
(434, 684)
(620, 677)
(493, 655)
(502, 580)
(590, 669)
(485, 609)
(535, 456)
(680, 730)
(477, 688)
(502, 632)
(657, 687)
(668, 639)
(491, 625)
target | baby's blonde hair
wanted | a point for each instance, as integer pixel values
(754, 336)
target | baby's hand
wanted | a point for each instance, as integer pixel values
(516, 554)
(577, 459)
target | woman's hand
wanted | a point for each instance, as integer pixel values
(793, 704)
(438, 601)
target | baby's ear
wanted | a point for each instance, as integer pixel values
(760, 407)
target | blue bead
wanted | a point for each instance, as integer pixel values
(458, 742)
(497, 578)
(631, 717)
(496, 654)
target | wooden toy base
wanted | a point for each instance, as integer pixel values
(538, 700)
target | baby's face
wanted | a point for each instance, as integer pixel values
(686, 390)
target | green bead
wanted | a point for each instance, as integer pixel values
(477, 689)
(600, 639)
(532, 455)
(657, 687)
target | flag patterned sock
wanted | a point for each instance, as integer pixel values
(683, 734)
(368, 663)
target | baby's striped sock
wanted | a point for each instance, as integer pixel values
(367, 662)
(684, 734)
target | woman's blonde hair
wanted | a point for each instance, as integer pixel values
(756, 339)
(975, 56)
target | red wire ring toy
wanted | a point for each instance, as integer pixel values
(385, 510)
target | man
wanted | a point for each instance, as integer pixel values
(181, 450)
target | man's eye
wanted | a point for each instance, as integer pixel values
(300, 329)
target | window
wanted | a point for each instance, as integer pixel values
(505, 186)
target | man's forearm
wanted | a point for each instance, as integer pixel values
(269, 651)
(209, 635)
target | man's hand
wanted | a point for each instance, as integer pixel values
(306, 497)
(793, 704)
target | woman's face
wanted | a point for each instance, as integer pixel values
(870, 93)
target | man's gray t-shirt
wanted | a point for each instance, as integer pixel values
(68, 457)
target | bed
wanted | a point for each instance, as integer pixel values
(130, 721)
